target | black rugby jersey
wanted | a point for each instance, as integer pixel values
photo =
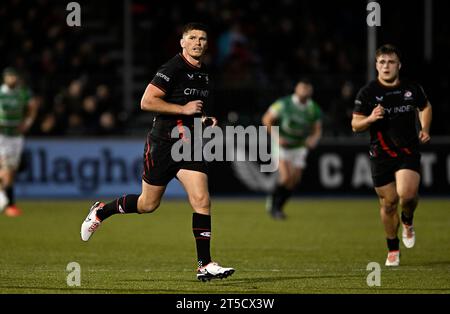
(182, 82)
(397, 132)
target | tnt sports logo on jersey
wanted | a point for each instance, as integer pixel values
(408, 95)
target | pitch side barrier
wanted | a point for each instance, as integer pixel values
(91, 168)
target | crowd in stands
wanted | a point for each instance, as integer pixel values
(71, 80)
(258, 49)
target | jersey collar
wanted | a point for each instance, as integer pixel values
(298, 103)
(190, 64)
(5, 89)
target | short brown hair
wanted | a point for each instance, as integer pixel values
(194, 25)
(388, 49)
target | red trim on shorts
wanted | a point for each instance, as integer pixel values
(384, 145)
(181, 130)
(147, 154)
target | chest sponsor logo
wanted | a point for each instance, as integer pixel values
(196, 92)
(399, 109)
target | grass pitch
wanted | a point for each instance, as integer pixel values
(323, 247)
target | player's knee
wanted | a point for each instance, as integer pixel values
(283, 180)
(200, 202)
(389, 207)
(408, 201)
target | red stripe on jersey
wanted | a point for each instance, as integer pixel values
(384, 146)
(359, 113)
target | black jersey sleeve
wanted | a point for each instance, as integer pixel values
(422, 98)
(164, 77)
(362, 103)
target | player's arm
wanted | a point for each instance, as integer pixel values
(312, 140)
(425, 117)
(30, 115)
(153, 101)
(361, 122)
(269, 119)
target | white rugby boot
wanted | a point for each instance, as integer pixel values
(213, 271)
(91, 223)
(393, 258)
(408, 236)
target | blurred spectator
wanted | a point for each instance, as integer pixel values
(339, 115)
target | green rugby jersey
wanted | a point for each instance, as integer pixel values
(296, 120)
(13, 104)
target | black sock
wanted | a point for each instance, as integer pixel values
(10, 194)
(276, 196)
(201, 226)
(393, 244)
(126, 204)
(286, 194)
(279, 197)
(407, 220)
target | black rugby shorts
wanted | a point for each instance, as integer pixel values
(384, 169)
(159, 166)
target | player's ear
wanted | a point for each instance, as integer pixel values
(182, 42)
(399, 65)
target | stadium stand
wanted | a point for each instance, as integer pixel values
(257, 51)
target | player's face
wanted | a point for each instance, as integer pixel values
(195, 42)
(10, 80)
(303, 91)
(388, 67)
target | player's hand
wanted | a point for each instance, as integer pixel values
(193, 107)
(424, 137)
(311, 142)
(377, 113)
(209, 121)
